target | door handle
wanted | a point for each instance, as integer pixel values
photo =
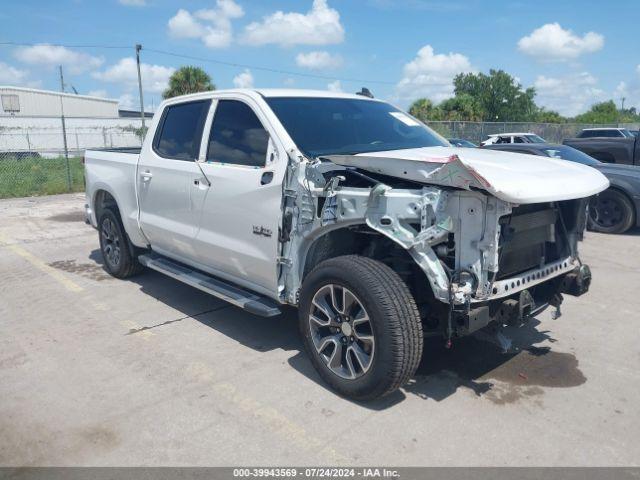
(266, 178)
(200, 183)
(146, 176)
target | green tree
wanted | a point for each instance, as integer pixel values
(188, 80)
(500, 97)
(607, 112)
(549, 116)
(461, 108)
(425, 110)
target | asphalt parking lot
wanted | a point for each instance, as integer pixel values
(98, 371)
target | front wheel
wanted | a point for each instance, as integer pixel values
(360, 326)
(611, 212)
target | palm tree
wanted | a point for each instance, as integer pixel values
(188, 80)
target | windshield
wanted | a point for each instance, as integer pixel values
(535, 139)
(459, 142)
(626, 133)
(571, 154)
(346, 126)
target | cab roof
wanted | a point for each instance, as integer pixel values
(295, 92)
(510, 133)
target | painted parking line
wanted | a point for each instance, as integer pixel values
(40, 265)
(268, 416)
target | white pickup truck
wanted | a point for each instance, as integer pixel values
(353, 211)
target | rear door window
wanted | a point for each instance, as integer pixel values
(180, 132)
(237, 136)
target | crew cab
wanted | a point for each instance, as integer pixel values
(610, 145)
(349, 209)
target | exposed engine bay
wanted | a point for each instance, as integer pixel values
(468, 257)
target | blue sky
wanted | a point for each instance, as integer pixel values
(574, 52)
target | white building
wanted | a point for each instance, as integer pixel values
(30, 121)
(20, 101)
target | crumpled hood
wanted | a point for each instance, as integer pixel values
(512, 177)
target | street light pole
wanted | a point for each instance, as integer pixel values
(138, 48)
(64, 131)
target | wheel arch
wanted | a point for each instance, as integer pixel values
(360, 239)
(103, 197)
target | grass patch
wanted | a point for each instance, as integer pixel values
(27, 177)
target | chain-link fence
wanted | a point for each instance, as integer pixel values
(33, 160)
(33, 157)
(476, 132)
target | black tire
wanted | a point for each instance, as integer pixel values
(611, 212)
(113, 236)
(394, 323)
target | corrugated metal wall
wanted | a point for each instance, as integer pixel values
(47, 103)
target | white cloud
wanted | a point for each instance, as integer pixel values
(334, 86)
(551, 42)
(52, 55)
(131, 101)
(569, 95)
(243, 80)
(638, 69)
(318, 60)
(431, 75)
(12, 75)
(127, 101)
(98, 93)
(319, 26)
(212, 26)
(630, 91)
(133, 3)
(154, 77)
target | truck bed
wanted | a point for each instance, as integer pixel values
(114, 170)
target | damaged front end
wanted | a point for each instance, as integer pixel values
(469, 257)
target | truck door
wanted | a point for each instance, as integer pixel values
(241, 213)
(169, 191)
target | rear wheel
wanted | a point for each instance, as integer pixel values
(117, 251)
(611, 212)
(360, 326)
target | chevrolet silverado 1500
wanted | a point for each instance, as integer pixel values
(348, 208)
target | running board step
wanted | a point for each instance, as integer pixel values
(250, 302)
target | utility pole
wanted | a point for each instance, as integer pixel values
(622, 107)
(64, 131)
(138, 48)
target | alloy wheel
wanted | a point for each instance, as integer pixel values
(341, 331)
(110, 242)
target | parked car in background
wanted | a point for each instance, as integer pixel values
(500, 138)
(621, 147)
(613, 211)
(604, 133)
(461, 142)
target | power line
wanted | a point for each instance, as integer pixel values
(214, 61)
(267, 69)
